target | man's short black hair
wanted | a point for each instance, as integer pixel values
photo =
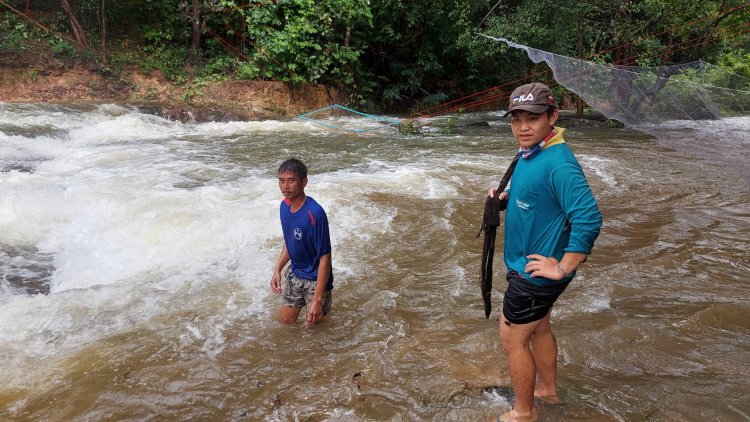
(295, 166)
(549, 111)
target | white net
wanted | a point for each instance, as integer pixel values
(695, 107)
(342, 118)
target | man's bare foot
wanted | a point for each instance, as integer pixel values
(549, 398)
(513, 416)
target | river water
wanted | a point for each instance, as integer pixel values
(136, 253)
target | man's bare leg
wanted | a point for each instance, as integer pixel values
(288, 315)
(515, 339)
(544, 350)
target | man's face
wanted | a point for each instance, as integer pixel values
(291, 185)
(530, 128)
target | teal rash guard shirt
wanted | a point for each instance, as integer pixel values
(551, 210)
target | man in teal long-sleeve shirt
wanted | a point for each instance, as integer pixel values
(551, 223)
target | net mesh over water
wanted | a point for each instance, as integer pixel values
(339, 117)
(646, 95)
(689, 106)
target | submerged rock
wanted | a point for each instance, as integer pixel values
(21, 167)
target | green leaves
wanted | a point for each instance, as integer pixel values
(395, 54)
(18, 34)
(305, 40)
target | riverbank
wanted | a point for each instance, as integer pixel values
(55, 81)
(31, 78)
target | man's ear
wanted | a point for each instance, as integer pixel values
(304, 182)
(553, 117)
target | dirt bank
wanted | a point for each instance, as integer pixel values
(58, 82)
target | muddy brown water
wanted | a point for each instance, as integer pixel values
(136, 255)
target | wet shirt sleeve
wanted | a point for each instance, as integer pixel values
(322, 234)
(569, 184)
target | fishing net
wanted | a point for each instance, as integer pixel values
(339, 117)
(696, 107)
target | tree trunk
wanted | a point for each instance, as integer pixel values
(195, 18)
(77, 28)
(621, 84)
(104, 31)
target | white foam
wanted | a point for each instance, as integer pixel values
(604, 168)
(137, 224)
(403, 179)
(139, 217)
(728, 128)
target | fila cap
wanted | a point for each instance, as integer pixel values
(533, 97)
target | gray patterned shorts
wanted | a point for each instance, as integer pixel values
(298, 292)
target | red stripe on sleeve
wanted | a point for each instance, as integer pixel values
(311, 217)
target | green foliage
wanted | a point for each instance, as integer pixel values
(612, 123)
(655, 53)
(306, 41)
(194, 89)
(395, 55)
(391, 94)
(14, 33)
(450, 125)
(162, 38)
(219, 67)
(151, 94)
(415, 48)
(63, 48)
(18, 34)
(543, 24)
(409, 128)
(248, 71)
(170, 60)
(123, 18)
(737, 62)
(435, 99)
(156, 36)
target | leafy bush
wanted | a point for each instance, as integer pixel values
(737, 63)
(304, 40)
(219, 67)
(167, 59)
(63, 48)
(18, 34)
(248, 71)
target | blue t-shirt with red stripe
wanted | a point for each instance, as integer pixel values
(306, 237)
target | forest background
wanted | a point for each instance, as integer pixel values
(273, 58)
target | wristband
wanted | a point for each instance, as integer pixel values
(562, 270)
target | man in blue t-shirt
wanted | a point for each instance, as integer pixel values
(308, 280)
(551, 223)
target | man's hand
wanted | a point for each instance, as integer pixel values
(491, 193)
(280, 264)
(276, 282)
(314, 311)
(542, 266)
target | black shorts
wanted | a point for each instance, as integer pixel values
(525, 302)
